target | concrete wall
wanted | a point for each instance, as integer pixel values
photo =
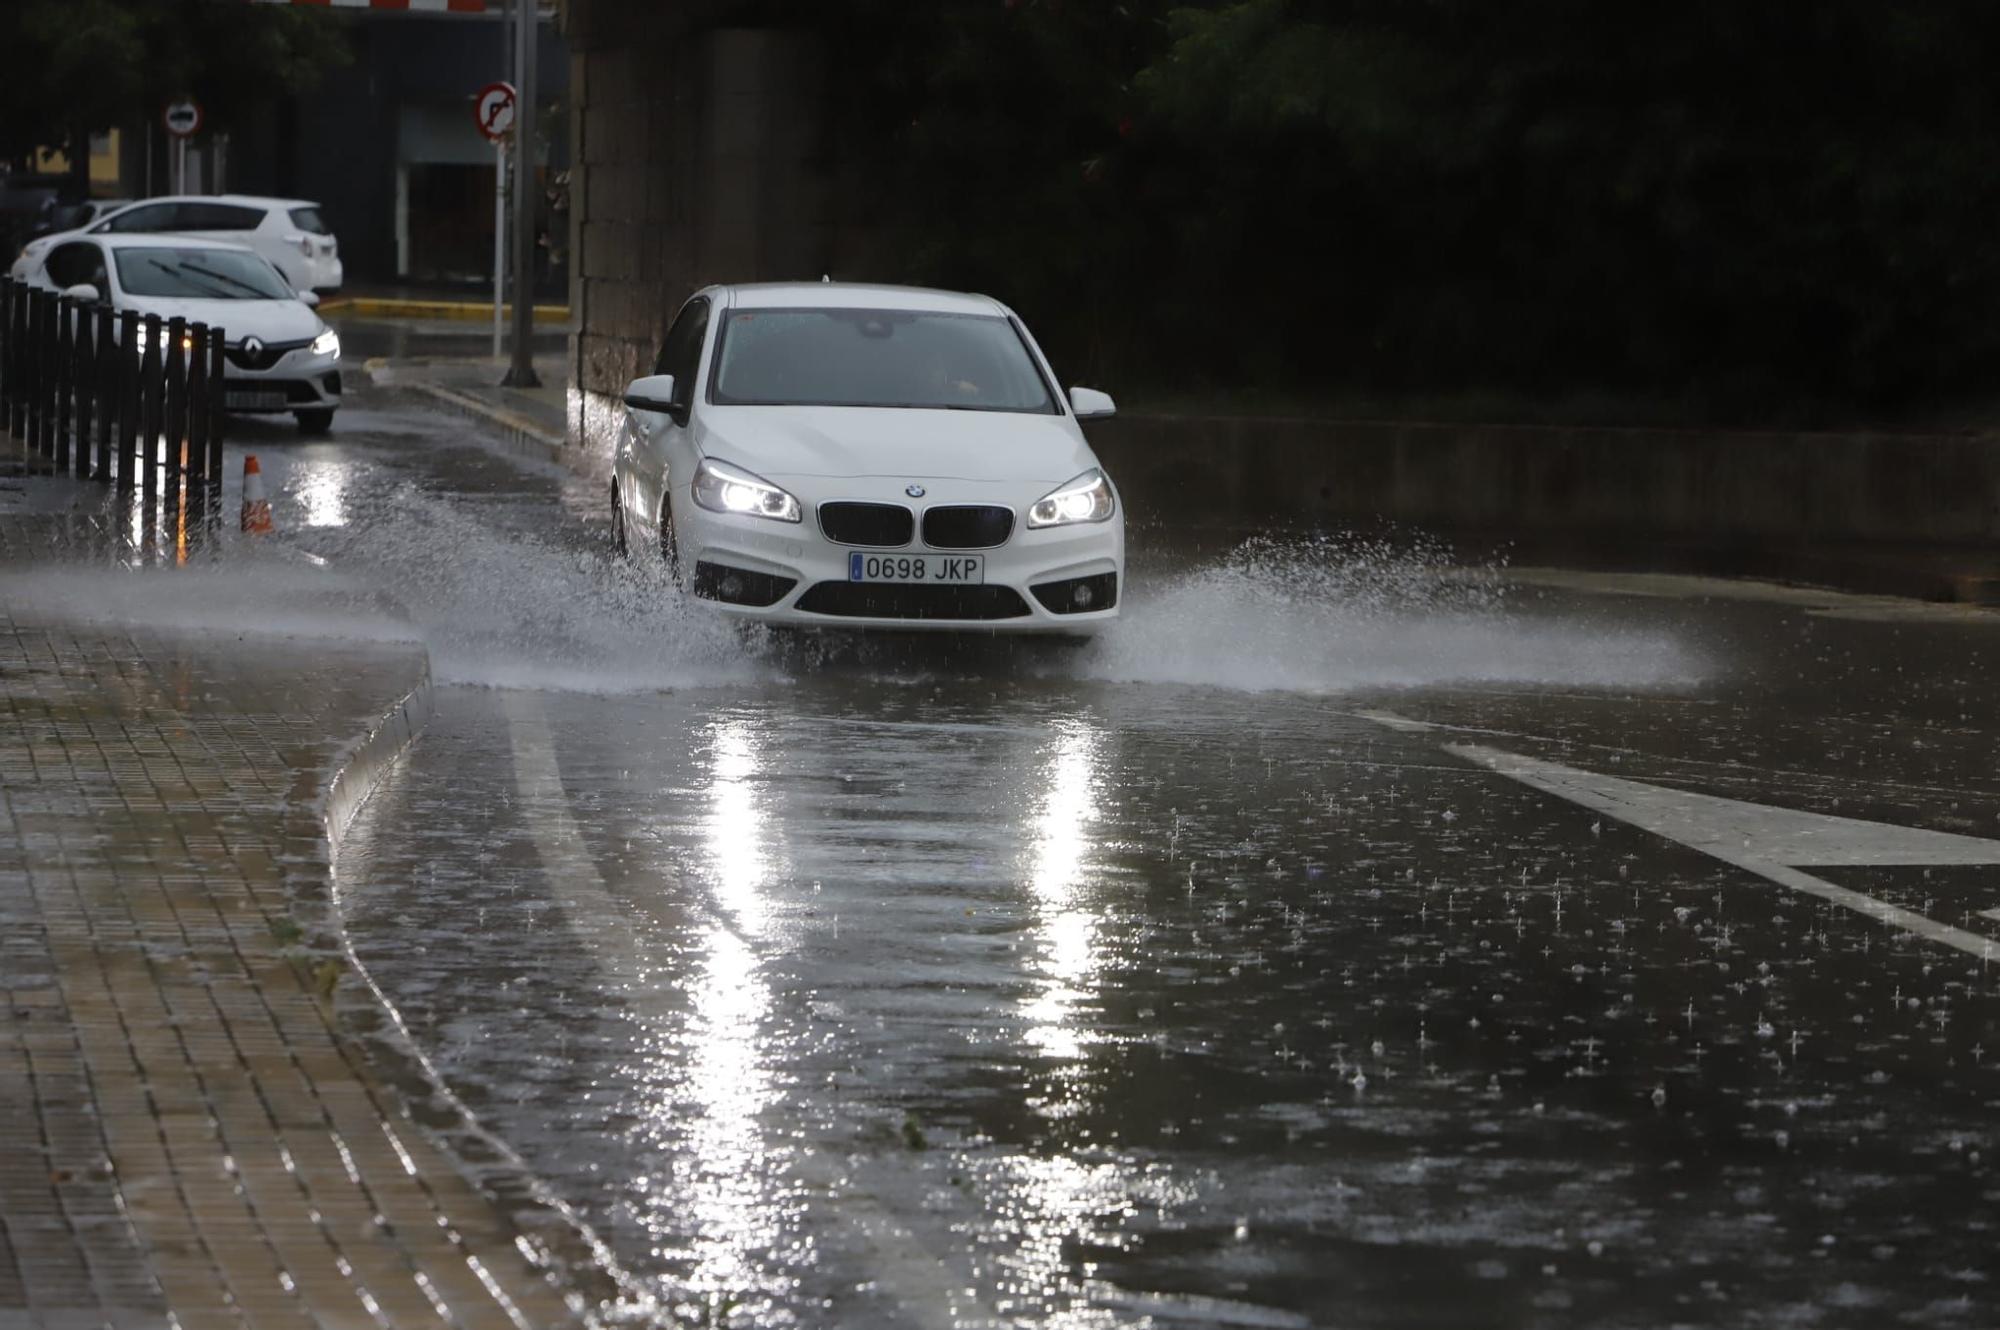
(1603, 484)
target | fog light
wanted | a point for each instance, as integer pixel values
(1081, 597)
(732, 587)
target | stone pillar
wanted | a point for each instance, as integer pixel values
(698, 157)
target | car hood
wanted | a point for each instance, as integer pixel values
(268, 320)
(781, 441)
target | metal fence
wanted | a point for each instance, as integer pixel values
(109, 395)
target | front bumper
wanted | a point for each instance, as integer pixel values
(788, 574)
(297, 381)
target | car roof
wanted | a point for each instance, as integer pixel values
(153, 240)
(855, 295)
(247, 200)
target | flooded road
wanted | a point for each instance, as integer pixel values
(1347, 939)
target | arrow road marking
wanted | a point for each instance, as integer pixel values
(1770, 842)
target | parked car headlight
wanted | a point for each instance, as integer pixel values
(722, 488)
(141, 340)
(1085, 499)
(326, 344)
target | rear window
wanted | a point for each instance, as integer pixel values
(307, 220)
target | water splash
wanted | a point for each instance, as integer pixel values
(503, 597)
(1334, 613)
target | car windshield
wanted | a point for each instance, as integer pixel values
(199, 274)
(876, 357)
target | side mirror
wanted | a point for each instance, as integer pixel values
(310, 299)
(1089, 403)
(654, 392)
(84, 291)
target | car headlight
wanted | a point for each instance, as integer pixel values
(326, 344)
(1085, 499)
(722, 488)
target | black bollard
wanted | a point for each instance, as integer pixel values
(107, 387)
(128, 401)
(218, 396)
(8, 288)
(83, 354)
(32, 355)
(65, 378)
(150, 386)
(174, 374)
(197, 411)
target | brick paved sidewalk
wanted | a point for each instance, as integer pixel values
(185, 1138)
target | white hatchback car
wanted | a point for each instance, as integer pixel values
(280, 356)
(288, 232)
(869, 456)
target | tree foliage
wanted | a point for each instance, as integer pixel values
(1743, 205)
(79, 66)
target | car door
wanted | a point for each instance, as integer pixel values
(652, 438)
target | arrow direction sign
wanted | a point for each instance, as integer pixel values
(493, 110)
(1773, 843)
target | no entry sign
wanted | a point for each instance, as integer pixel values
(494, 110)
(182, 118)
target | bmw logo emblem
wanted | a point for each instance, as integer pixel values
(252, 347)
(914, 491)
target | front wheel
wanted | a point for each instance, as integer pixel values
(670, 548)
(314, 422)
(617, 522)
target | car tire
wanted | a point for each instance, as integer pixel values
(617, 523)
(670, 546)
(317, 421)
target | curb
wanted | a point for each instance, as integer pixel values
(523, 434)
(390, 307)
(360, 770)
(362, 766)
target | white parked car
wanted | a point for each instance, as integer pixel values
(280, 356)
(288, 232)
(869, 456)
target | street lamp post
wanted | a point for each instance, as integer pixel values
(521, 374)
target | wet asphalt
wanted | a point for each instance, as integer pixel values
(1205, 975)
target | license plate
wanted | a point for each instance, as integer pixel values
(950, 569)
(238, 399)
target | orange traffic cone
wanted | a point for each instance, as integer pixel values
(256, 506)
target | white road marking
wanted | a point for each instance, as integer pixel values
(1396, 722)
(1769, 842)
(1993, 914)
(1724, 827)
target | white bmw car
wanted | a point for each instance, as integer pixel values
(868, 456)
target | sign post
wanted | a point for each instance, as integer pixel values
(521, 374)
(493, 110)
(183, 120)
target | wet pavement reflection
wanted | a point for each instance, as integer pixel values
(915, 984)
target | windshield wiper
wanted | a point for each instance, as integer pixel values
(176, 270)
(251, 287)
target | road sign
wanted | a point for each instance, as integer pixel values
(494, 110)
(183, 118)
